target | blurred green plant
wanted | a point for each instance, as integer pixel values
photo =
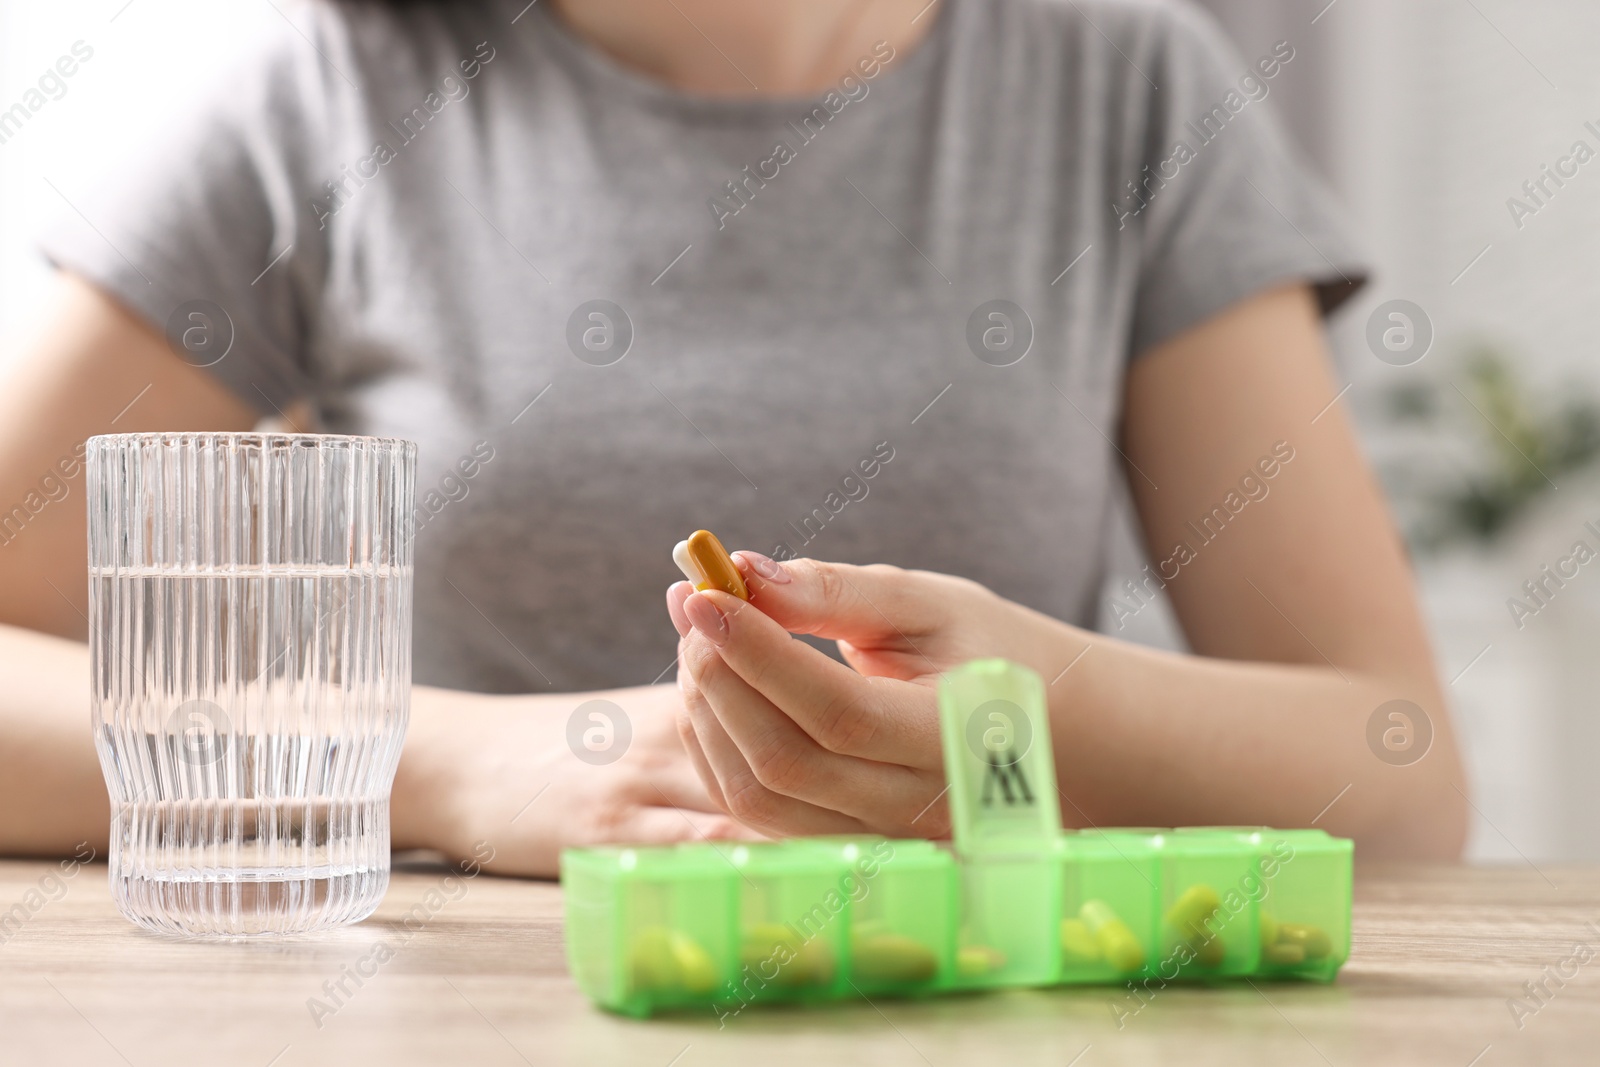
(1521, 445)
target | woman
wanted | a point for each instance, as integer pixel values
(894, 283)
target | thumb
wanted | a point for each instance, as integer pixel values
(871, 606)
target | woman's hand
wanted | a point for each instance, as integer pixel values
(494, 778)
(793, 742)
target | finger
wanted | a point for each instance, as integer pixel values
(882, 719)
(786, 761)
(709, 736)
(741, 792)
(697, 753)
(863, 605)
(676, 593)
(746, 797)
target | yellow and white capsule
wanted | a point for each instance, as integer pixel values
(680, 556)
(707, 565)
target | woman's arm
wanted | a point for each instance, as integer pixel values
(93, 368)
(1299, 607)
(1301, 603)
(471, 762)
(52, 796)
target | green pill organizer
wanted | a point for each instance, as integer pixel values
(1012, 901)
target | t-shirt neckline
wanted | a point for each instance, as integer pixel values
(658, 96)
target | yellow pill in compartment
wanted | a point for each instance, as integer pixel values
(1287, 944)
(1191, 916)
(1078, 944)
(1114, 938)
(1283, 954)
(1193, 909)
(775, 953)
(892, 958)
(1313, 941)
(667, 961)
(973, 961)
(1209, 951)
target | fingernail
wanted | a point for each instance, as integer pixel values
(765, 567)
(677, 593)
(705, 617)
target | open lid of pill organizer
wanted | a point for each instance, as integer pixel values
(998, 760)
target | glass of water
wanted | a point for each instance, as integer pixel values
(250, 655)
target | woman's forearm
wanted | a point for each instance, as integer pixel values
(52, 791)
(52, 795)
(1145, 737)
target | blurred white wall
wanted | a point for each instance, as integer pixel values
(146, 56)
(1484, 95)
(1426, 115)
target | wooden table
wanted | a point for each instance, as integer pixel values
(480, 978)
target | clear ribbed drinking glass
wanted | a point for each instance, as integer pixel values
(250, 654)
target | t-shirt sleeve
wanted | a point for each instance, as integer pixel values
(207, 231)
(1229, 210)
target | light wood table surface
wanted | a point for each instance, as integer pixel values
(1438, 953)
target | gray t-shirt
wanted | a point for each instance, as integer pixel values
(611, 313)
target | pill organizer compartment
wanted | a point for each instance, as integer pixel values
(592, 893)
(1005, 824)
(902, 920)
(793, 920)
(1211, 886)
(664, 933)
(1007, 932)
(1305, 915)
(1111, 906)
